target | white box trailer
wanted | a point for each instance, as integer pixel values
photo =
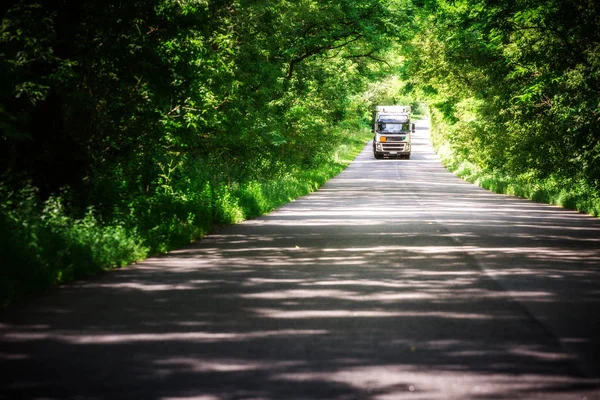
(393, 131)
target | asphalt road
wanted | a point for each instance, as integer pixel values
(396, 280)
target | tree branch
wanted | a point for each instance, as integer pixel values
(369, 55)
(319, 50)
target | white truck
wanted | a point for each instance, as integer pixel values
(393, 131)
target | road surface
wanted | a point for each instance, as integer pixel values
(396, 280)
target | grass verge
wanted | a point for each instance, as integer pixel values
(554, 189)
(42, 245)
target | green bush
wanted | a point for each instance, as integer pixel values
(576, 194)
(43, 244)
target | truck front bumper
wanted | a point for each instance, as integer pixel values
(392, 148)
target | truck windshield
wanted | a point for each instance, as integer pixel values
(393, 127)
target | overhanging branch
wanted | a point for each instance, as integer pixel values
(319, 50)
(370, 56)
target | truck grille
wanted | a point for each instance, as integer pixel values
(393, 146)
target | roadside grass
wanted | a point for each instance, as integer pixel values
(42, 245)
(557, 190)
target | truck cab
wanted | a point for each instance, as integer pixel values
(393, 131)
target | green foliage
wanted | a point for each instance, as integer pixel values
(40, 245)
(163, 118)
(566, 191)
(513, 88)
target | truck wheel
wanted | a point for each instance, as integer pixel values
(408, 156)
(378, 156)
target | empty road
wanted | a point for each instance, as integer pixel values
(396, 280)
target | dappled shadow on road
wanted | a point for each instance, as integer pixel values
(382, 285)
